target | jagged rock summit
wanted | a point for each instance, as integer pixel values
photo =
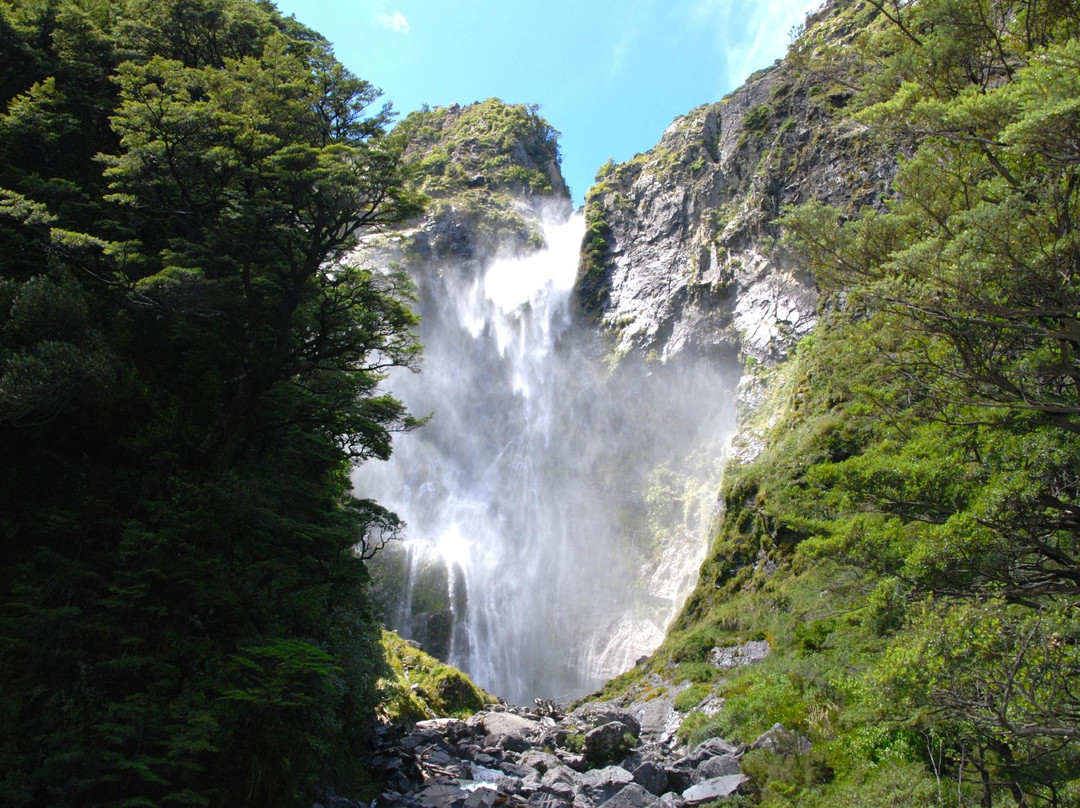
(682, 253)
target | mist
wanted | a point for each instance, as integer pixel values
(558, 502)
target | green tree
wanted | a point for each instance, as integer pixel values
(966, 285)
(188, 368)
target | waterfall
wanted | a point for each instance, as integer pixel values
(556, 511)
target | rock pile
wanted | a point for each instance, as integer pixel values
(595, 755)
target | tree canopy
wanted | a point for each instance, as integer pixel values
(188, 367)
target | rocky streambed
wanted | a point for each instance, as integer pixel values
(599, 754)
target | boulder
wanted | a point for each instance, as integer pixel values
(576, 762)
(482, 798)
(608, 742)
(558, 796)
(633, 796)
(719, 766)
(714, 789)
(541, 761)
(782, 741)
(500, 725)
(561, 776)
(600, 785)
(440, 795)
(651, 776)
(590, 716)
(684, 772)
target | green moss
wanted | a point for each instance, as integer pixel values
(592, 286)
(423, 687)
(470, 147)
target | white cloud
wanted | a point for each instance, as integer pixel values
(393, 22)
(619, 52)
(749, 35)
(768, 33)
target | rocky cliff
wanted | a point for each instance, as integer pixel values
(682, 253)
(490, 169)
(577, 499)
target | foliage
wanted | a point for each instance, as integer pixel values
(421, 687)
(592, 284)
(187, 371)
(482, 163)
(505, 148)
(921, 479)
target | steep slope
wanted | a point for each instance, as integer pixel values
(893, 574)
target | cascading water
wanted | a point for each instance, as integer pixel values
(555, 511)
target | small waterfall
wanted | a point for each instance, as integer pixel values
(530, 497)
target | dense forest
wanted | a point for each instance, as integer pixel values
(188, 369)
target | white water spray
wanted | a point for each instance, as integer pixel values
(551, 502)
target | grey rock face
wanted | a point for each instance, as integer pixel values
(736, 656)
(691, 259)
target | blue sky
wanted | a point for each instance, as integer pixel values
(610, 75)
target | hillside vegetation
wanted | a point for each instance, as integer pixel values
(907, 542)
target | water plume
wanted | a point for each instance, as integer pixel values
(557, 509)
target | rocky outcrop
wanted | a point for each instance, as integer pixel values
(683, 251)
(515, 757)
(491, 171)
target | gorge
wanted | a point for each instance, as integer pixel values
(767, 455)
